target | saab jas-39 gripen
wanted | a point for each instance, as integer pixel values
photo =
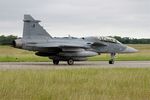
(69, 49)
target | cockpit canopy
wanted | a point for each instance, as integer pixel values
(108, 39)
(102, 39)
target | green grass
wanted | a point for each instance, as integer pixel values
(75, 84)
(10, 54)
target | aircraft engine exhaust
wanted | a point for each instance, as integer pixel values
(17, 43)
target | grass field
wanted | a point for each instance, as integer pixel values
(75, 84)
(10, 54)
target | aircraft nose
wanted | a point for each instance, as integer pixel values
(129, 50)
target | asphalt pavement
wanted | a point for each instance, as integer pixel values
(83, 64)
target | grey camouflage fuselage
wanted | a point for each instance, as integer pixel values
(69, 49)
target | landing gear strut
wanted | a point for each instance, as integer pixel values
(112, 60)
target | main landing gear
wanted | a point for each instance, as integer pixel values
(112, 60)
(55, 62)
(69, 61)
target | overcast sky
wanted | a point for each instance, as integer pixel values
(126, 18)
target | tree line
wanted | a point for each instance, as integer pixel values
(7, 40)
(128, 40)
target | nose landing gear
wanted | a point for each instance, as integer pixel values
(112, 60)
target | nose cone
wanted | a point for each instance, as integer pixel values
(129, 50)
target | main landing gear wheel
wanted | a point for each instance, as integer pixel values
(112, 60)
(70, 62)
(55, 62)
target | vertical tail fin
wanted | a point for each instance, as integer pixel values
(33, 31)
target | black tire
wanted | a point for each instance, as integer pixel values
(111, 61)
(70, 62)
(55, 62)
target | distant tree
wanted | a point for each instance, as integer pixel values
(7, 40)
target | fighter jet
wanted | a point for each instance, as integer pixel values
(36, 38)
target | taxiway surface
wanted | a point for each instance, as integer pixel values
(84, 64)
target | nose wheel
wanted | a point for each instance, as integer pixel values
(112, 60)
